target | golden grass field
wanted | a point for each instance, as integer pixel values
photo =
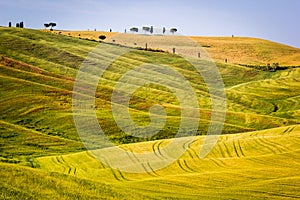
(43, 157)
(237, 50)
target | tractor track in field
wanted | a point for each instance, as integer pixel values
(159, 151)
(186, 147)
(151, 172)
(115, 173)
(156, 149)
(181, 167)
(122, 175)
(227, 150)
(237, 148)
(118, 175)
(187, 166)
(60, 161)
(236, 152)
(288, 130)
(218, 162)
(184, 166)
(275, 147)
(132, 158)
(261, 143)
(133, 154)
(240, 147)
(153, 149)
(221, 150)
(189, 150)
(278, 146)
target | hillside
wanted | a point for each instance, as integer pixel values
(39, 139)
(249, 51)
(237, 50)
(258, 165)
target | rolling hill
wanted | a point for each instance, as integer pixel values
(42, 152)
(237, 50)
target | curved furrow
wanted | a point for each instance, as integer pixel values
(240, 148)
(218, 162)
(261, 143)
(191, 150)
(115, 175)
(159, 151)
(132, 158)
(67, 165)
(277, 147)
(122, 175)
(103, 166)
(280, 147)
(235, 149)
(227, 150)
(150, 172)
(66, 168)
(186, 147)
(188, 167)
(288, 130)
(291, 129)
(155, 150)
(133, 154)
(181, 167)
(153, 171)
(221, 150)
(189, 153)
(113, 171)
(58, 160)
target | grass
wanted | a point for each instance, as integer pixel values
(251, 51)
(38, 70)
(237, 50)
(259, 165)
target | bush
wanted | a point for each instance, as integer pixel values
(102, 37)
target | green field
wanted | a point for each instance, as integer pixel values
(42, 155)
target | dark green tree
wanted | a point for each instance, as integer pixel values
(173, 30)
(134, 29)
(146, 29)
(102, 37)
(52, 24)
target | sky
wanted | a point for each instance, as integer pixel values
(276, 20)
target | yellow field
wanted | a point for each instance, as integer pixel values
(42, 155)
(257, 165)
(237, 50)
(242, 50)
(92, 35)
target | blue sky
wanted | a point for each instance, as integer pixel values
(276, 20)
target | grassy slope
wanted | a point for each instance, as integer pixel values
(242, 50)
(37, 72)
(258, 165)
(237, 50)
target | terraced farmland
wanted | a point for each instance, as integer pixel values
(40, 150)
